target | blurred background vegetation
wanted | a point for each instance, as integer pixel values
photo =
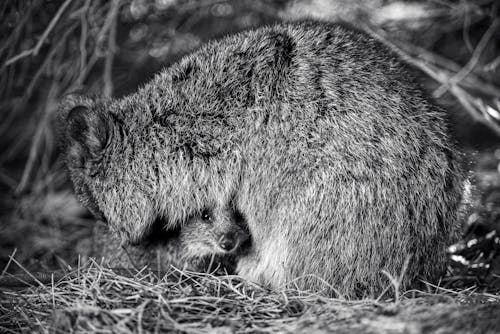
(50, 48)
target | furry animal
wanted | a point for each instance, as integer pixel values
(207, 242)
(339, 162)
(212, 233)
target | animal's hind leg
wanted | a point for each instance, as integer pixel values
(266, 265)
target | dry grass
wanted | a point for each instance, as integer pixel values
(49, 49)
(91, 298)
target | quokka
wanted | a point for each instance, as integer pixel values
(338, 161)
(209, 241)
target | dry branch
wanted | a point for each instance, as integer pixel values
(34, 51)
(470, 91)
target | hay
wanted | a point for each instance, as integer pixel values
(100, 298)
(92, 298)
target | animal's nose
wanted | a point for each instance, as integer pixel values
(227, 242)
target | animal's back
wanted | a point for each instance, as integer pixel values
(349, 160)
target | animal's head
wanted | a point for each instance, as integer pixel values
(110, 177)
(214, 233)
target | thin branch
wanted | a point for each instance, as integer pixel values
(7, 180)
(420, 57)
(466, 31)
(474, 108)
(108, 66)
(17, 30)
(476, 55)
(49, 57)
(492, 66)
(443, 75)
(36, 142)
(34, 51)
(83, 38)
(8, 263)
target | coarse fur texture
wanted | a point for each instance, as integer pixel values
(320, 135)
(213, 233)
(209, 241)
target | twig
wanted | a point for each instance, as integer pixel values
(88, 67)
(19, 27)
(4, 7)
(132, 262)
(476, 55)
(442, 75)
(420, 57)
(36, 143)
(397, 281)
(473, 107)
(7, 180)
(492, 66)
(466, 31)
(27, 272)
(110, 55)
(8, 262)
(9, 116)
(34, 51)
(83, 38)
(45, 63)
(31, 158)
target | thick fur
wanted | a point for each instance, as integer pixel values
(339, 162)
(197, 246)
(217, 232)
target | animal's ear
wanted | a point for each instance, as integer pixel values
(88, 131)
(88, 128)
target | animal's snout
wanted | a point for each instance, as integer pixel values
(227, 242)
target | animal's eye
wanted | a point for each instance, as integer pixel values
(206, 216)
